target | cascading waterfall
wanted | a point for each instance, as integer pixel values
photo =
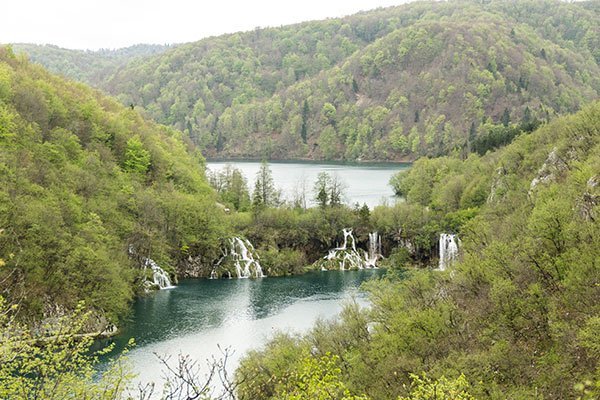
(159, 275)
(449, 244)
(374, 253)
(347, 257)
(242, 257)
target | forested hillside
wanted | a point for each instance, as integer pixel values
(389, 84)
(83, 182)
(85, 66)
(515, 318)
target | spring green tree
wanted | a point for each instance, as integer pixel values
(57, 365)
(137, 158)
(265, 193)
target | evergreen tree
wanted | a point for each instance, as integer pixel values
(505, 117)
(265, 194)
(320, 189)
(304, 128)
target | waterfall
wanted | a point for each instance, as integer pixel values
(239, 254)
(374, 253)
(448, 249)
(159, 276)
(347, 234)
(346, 256)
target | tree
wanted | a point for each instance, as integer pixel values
(505, 117)
(231, 185)
(237, 191)
(354, 85)
(55, 366)
(316, 378)
(137, 158)
(304, 127)
(329, 113)
(336, 190)
(320, 189)
(299, 195)
(265, 194)
(425, 388)
(328, 190)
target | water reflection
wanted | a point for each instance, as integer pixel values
(242, 314)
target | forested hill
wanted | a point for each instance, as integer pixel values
(517, 317)
(83, 65)
(83, 178)
(395, 83)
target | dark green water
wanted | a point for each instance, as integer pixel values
(241, 314)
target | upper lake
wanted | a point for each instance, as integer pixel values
(364, 183)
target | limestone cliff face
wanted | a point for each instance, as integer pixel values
(552, 168)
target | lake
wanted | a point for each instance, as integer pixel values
(365, 183)
(200, 314)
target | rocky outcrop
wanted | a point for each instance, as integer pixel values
(552, 168)
(498, 185)
(194, 267)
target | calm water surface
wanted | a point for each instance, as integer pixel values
(199, 314)
(365, 183)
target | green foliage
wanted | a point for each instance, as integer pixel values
(265, 194)
(328, 190)
(424, 388)
(232, 187)
(283, 261)
(289, 238)
(137, 159)
(517, 316)
(83, 178)
(315, 378)
(57, 365)
(84, 65)
(390, 84)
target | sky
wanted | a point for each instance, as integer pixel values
(110, 24)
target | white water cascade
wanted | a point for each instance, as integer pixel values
(374, 253)
(242, 255)
(346, 257)
(449, 244)
(159, 275)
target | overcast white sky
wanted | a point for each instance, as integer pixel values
(93, 24)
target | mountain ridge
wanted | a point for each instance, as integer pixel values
(315, 90)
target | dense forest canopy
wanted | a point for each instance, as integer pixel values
(82, 179)
(90, 188)
(388, 84)
(85, 65)
(516, 318)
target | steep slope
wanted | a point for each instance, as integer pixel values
(428, 89)
(394, 83)
(82, 179)
(86, 66)
(517, 313)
